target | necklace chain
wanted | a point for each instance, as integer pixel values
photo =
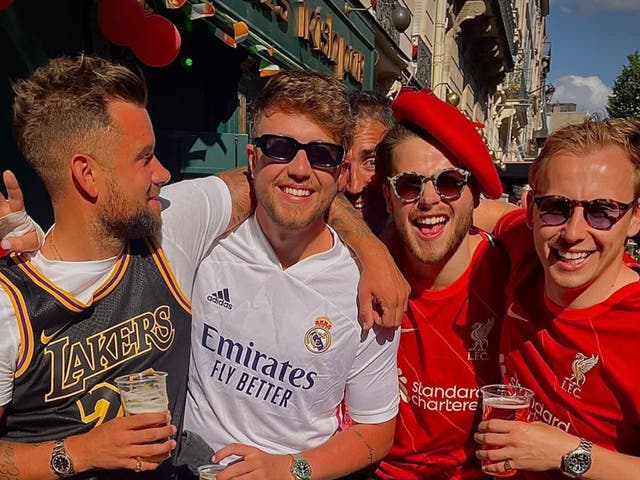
(53, 245)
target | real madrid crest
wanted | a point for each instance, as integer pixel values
(318, 338)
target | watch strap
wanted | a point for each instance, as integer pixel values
(585, 444)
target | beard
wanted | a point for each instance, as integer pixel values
(121, 219)
(142, 224)
(431, 254)
(292, 217)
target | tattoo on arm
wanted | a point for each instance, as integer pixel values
(369, 447)
(242, 198)
(8, 467)
(346, 221)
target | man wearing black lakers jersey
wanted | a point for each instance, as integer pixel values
(109, 292)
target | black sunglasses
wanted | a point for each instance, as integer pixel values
(449, 183)
(284, 149)
(601, 214)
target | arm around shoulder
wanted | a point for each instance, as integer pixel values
(489, 212)
(242, 198)
(380, 302)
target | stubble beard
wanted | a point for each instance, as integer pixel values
(424, 252)
(293, 218)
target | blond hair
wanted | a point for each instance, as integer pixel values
(588, 137)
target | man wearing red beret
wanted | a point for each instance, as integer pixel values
(436, 166)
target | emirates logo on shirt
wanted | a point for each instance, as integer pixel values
(579, 368)
(479, 334)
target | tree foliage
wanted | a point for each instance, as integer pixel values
(624, 102)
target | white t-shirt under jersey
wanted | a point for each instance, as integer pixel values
(274, 351)
(197, 212)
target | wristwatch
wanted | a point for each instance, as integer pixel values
(61, 463)
(578, 461)
(301, 470)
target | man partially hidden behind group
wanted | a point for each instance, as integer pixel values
(373, 118)
(109, 292)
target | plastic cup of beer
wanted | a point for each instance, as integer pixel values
(505, 402)
(144, 392)
(209, 472)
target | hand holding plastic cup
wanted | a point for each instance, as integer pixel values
(144, 392)
(505, 402)
(209, 472)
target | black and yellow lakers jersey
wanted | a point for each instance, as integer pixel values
(71, 352)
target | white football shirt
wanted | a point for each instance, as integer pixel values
(273, 351)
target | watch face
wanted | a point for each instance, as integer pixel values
(579, 463)
(60, 464)
(302, 469)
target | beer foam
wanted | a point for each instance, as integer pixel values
(505, 403)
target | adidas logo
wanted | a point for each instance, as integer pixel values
(221, 297)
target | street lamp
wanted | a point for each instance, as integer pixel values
(400, 16)
(451, 97)
(549, 90)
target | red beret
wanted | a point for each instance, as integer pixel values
(452, 129)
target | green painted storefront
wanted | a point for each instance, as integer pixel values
(199, 111)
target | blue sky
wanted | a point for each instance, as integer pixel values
(590, 41)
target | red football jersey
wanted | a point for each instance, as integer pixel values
(448, 348)
(579, 362)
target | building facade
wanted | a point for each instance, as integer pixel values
(490, 58)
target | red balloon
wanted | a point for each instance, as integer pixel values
(159, 44)
(120, 21)
(5, 4)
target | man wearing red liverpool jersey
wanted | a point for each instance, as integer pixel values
(571, 327)
(436, 166)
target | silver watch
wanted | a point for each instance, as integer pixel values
(301, 470)
(61, 463)
(578, 461)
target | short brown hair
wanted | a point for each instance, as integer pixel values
(61, 107)
(394, 137)
(321, 97)
(588, 137)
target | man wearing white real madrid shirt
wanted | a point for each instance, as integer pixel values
(276, 342)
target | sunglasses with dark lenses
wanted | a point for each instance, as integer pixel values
(601, 214)
(284, 149)
(448, 184)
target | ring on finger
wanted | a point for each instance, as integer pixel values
(138, 465)
(507, 466)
